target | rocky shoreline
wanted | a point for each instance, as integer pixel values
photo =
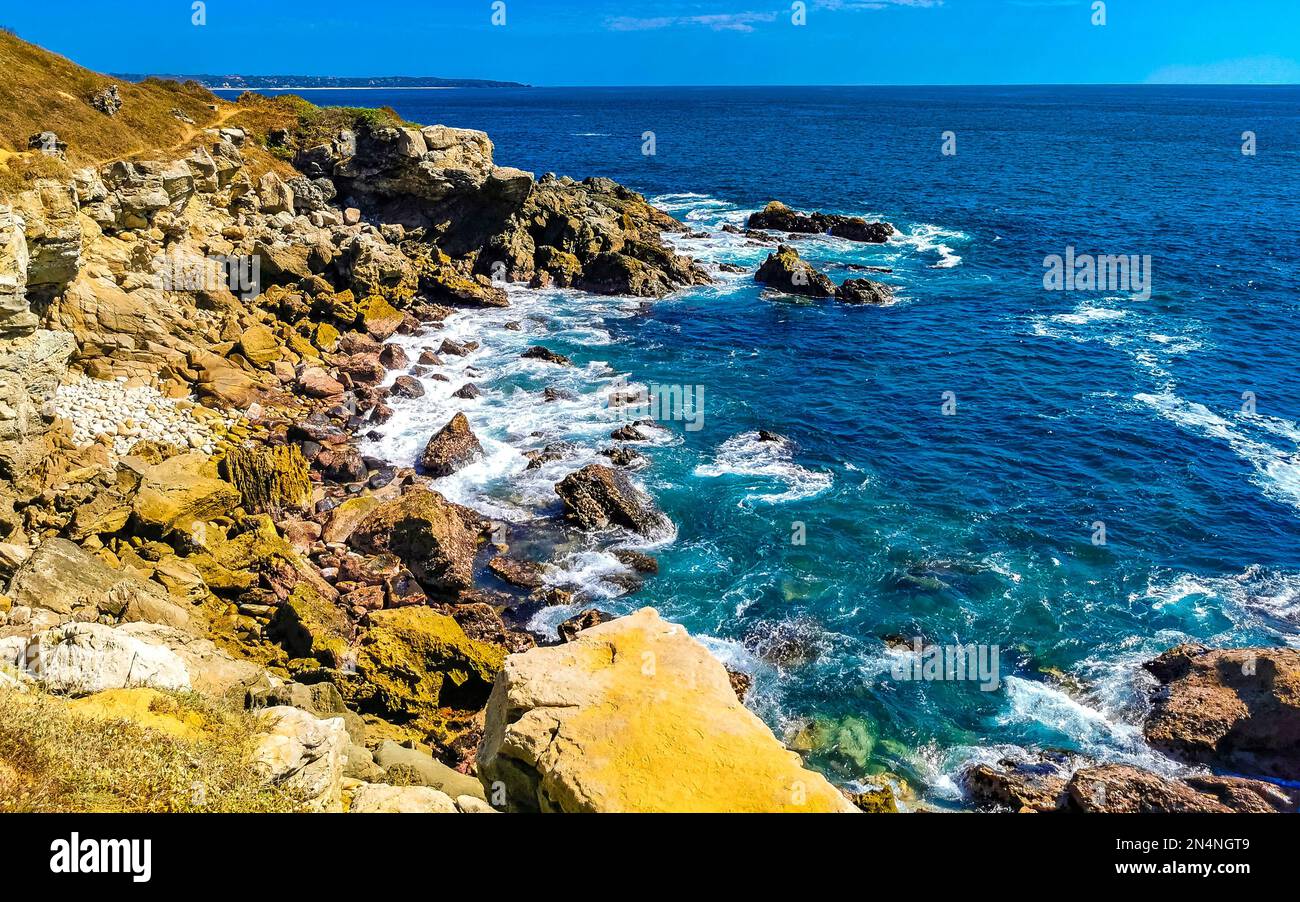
(195, 343)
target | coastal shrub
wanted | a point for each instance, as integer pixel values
(55, 760)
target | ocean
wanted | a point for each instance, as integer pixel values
(1081, 478)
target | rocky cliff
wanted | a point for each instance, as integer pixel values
(196, 303)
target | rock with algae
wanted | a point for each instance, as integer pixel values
(269, 479)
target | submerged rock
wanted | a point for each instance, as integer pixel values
(537, 352)
(684, 744)
(516, 572)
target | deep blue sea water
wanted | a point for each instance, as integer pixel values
(1072, 408)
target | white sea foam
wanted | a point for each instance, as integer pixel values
(1089, 313)
(1256, 598)
(747, 454)
(932, 239)
(511, 416)
(1277, 469)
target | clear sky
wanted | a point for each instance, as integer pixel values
(676, 42)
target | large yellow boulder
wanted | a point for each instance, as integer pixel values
(636, 716)
(259, 346)
(181, 491)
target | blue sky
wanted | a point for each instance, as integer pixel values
(672, 42)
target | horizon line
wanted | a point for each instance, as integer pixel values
(1026, 84)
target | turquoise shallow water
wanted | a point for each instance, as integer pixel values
(1072, 407)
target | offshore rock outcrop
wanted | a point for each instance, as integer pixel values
(499, 224)
(778, 217)
(597, 497)
(786, 271)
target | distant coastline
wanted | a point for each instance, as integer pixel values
(332, 88)
(322, 82)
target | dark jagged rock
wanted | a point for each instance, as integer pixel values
(596, 497)
(864, 291)
(629, 458)
(408, 387)
(1018, 786)
(628, 434)
(740, 683)
(637, 560)
(467, 392)
(537, 352)
(393, 357)
(855, 228)
(570, 628)
(551, 453)
(786, 271)
(778, 217)
(452, 348)
(550, 394)
(451, 448)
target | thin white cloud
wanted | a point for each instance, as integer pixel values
(873, 4)
(1253, 70)
(745, 21)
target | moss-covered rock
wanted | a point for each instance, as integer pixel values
(269, 478)
(378, 318)
(182, 491)
(345, 518)
(432, 536)
(414, 662)
(311, 626)
(254, 554)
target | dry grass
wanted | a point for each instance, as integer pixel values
(19, 172)
(43, 91)
(53, 760)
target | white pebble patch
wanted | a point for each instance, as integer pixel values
(100, 407)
